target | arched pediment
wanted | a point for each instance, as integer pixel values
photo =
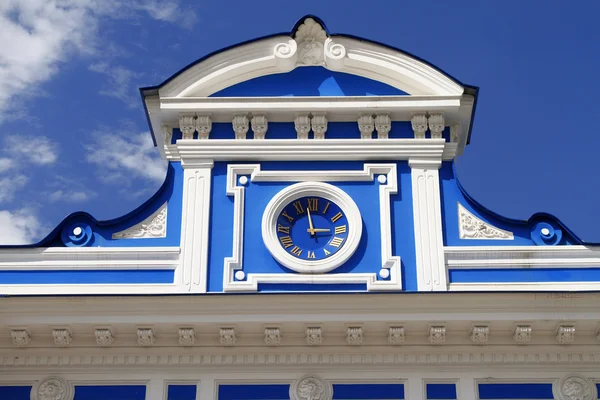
(309, 44)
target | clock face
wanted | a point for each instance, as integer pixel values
(312, 228)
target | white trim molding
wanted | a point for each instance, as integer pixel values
(471, 227)
(370, 171)
(429, 245)
(90, 258)
(195, 217)
(310, 150)
(523, 257)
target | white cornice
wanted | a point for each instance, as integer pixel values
(282, 109)
(311, 150)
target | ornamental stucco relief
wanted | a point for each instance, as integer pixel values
(155, 226)
(471, 227)
(311, 387)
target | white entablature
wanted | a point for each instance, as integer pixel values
(429, 90)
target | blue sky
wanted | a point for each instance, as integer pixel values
(74, 137)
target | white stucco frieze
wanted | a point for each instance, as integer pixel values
(471, 227)
(155, 226)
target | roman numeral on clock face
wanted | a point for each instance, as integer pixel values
(340, 229)
(286, 229)
(336, 241)
(298, 207)
(336, 217)
(285, 215)
(286, 241)
(297, 251)
(311, 254)
(313, 204)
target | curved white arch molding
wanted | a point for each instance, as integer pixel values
(310, 46)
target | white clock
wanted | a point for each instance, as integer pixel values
(311, 227)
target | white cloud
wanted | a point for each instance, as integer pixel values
(70, 196)
(122, 155)
(19, 227)
(36, 149)
(38, 35)
(11, 184)
(6, 164)
(119, 84)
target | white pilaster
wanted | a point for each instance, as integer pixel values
(156, 390)
(207, 389)
(194, 224)
(431, 271)
(415, 388)
(466, 389)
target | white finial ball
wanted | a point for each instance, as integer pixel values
(545, 231)
(384, 273)
(382, 179)
(240, 275)
(243, 180)
(77, 231)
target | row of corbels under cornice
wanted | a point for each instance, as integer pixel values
(304, 124)
(273, 336)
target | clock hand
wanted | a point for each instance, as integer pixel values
(311, 229)
(318, 230)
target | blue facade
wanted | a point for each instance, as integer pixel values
(81, 230)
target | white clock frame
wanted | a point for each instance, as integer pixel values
(234, 278)
(304, 189)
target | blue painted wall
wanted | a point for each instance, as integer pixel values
(309, 81)
(440, 391)
(492, 391)
(112, 392)
(181, 392)
(15, 392)
(359, 391)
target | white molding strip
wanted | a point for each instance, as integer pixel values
(234, 263)
(431, 271)
(466, 257)
(310, 150)
(524, 286)
(195, 217)
(97, 259)
(89, 258)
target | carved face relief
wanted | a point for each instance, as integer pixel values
(311, 388)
